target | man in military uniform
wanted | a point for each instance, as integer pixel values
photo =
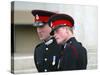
(73, 55)
(46, 54)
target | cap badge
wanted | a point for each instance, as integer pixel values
(37, 17)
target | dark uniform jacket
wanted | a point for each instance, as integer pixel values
(73, 56)
(46, 56)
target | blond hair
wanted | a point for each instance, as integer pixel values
(70, 28)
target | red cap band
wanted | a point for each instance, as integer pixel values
(42, 18)
(61, 22)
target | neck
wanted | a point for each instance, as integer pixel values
(47, 39)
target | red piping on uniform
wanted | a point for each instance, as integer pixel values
(74, 51)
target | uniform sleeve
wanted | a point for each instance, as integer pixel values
(83, 59)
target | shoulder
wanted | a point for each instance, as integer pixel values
(80, 47)
(39, 45)
(38, 48)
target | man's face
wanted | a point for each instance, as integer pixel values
(60, 35)
(43, 32)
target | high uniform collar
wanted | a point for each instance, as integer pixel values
(47, 39)
(70, 40)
